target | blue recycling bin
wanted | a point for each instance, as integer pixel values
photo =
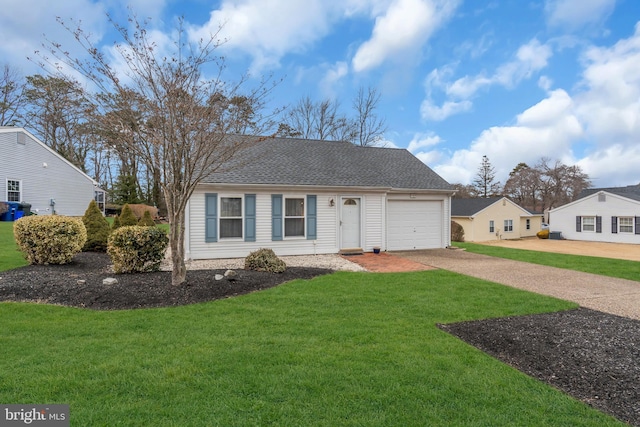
(10, 215)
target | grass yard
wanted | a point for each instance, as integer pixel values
(619, 268)
(348, 349)
(10, 256)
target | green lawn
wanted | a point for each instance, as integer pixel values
(348, 349)
(10, 256)
(620, 268)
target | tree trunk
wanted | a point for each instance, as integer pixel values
(176, 240)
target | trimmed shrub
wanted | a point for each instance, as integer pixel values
(543, 234)
(146, 220)
(97, 227)
(127, 217)
(139, 210)
(51, 239)
(116, 222)
(264, 260)
(457, 232)
(137, 249)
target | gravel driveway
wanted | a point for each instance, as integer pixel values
(607, 294)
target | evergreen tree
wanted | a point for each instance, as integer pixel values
(146, 220)
(484, 183)
(127, 217)
(116, 223)
(97, 229)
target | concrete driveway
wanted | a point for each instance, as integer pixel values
(607, 294)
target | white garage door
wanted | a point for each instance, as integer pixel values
(414, 224)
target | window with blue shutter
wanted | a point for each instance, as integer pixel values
(276, 217)
(250, 217)
(211, 217)
(312, 219)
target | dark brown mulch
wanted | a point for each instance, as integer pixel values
(593, 356)
(59, 284)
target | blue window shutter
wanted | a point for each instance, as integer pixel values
(249, 217)
(598, 224)
(276, 217)
(312, 217)
(578, 224)
(614, 224)
(211, 217)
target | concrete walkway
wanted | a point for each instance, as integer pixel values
(607, 294)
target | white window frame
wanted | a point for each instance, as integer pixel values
(492, 226)
(588, 228)
(19, 181)
(508, 226)
(303, 217)
(528, 223)
(222, 218)
(629, 226)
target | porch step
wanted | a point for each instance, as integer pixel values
(351, 251)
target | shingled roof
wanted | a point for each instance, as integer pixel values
(470, 207)
(630, 191)
(291, 161)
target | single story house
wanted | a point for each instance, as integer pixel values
(34, 174)
(494, 218)
(600, 215)
(302, 197)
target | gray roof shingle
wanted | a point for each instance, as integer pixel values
(291, 161)
(470, 207)
(630, 191)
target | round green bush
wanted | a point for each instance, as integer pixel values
(137, 249)
(264, 260)
(51, 239)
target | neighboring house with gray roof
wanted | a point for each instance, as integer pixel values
(494, 218)
(33, 173)
(601, 215)
(302, 197)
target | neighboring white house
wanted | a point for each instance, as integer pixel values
(32, 173)
(494, 218)
(600, 215)
(300, 196)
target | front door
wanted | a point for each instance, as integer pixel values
(350, 222)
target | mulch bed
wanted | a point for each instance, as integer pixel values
(58, 284)
(590, 355)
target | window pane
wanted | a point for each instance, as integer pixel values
(231, 228)
(626, 225)
(588, 223)
(230, 206)
(13, 190)
(293, 227)
(294, 207)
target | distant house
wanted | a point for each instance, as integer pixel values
(494, 218)
(318, 197)
(32, 173)
(600, 215)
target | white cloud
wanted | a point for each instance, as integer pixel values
(573, 14)
(529, 59)
(332, 78)
(403, 28)
(422, 141)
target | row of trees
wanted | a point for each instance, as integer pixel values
(67, 119)
(545, 185)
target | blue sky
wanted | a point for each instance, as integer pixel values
(514, 80)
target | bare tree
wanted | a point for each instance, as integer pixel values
(485, 183)
(524, 186)
(58, 112)
(370, 128)
(464, 191)
(317, 120)
(185, 119)
(12, 98)
(561, 184)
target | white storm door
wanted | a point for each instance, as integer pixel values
(350, 222)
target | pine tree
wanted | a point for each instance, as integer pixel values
(97, 229)
(116, 223)
(127, 217)
(484, 183)
(146, 220)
